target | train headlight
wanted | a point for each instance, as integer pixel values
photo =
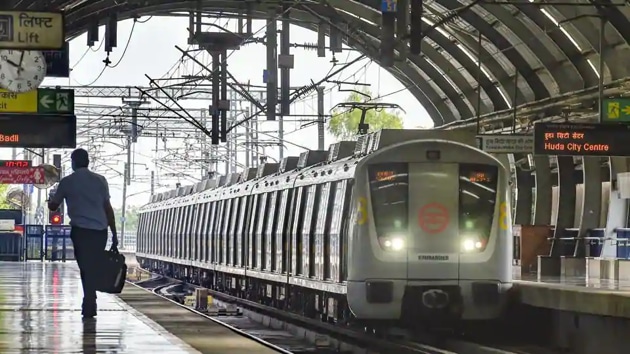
(471, 243)
(393, 242)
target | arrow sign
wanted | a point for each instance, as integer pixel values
(55, 101)
(46, 101)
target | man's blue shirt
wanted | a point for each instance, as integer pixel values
(85, 193)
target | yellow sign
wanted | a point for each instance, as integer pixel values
(613, 110)
(11, 102)
(31, 30)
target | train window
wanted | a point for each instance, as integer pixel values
(234, 220)
(216, 234)
(296, 231)
(268, 231)
(212, 221)
(253, 226)
(225, 237)
(241, 232)
(477, 199)
(283, 231)
(389, 191)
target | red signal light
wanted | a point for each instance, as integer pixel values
(56, 219)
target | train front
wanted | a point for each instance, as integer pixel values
(430, 236)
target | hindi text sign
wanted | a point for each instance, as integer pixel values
(18, 175)
(581, 139)
(42, 100)
(506, 144)
(32, 30)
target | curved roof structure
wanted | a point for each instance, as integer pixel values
(528, 51)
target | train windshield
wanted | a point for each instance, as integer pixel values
(389, 190)
(477, 198)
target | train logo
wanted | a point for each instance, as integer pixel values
(433, 218)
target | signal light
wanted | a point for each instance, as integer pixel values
(56, 218)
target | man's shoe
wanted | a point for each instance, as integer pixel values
(88, 311)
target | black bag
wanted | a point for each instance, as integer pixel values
(114, 272)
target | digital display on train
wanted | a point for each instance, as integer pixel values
(480, 177)
(382, 176)
(581, 139)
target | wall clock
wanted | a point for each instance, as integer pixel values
(22, 70)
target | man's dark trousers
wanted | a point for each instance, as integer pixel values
(88, 250)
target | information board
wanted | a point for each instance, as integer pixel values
(16, 163)
(42, 100)
(505, 144)
(31, 30)
(581, 139)
(38, 131)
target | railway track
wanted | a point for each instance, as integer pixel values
(291, 333)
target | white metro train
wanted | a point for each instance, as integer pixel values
(398, 226)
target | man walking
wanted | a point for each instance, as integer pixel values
(90, 211)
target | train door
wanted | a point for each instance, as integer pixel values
(433, 242)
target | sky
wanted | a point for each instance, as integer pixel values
(152, 51)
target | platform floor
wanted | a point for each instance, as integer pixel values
(40, 312)
(575, 294)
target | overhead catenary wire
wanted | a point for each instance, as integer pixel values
(106, 61)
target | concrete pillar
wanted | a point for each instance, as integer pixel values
(591, 201)
(565, 208)
(524, 200)
(542, 207)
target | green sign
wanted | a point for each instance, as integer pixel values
(55, 101)
(616, 110)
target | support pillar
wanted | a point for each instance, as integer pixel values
(524, 201)
(591, 202)
(320, 118)
(272, 66)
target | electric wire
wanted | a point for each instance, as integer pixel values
(106, 65)
(133, 27)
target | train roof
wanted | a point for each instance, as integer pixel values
(312, 166)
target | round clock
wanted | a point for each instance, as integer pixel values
(22, 70)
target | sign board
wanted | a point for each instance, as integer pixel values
(38, 131)
(574, 139)
(616, 109)
(7, 224)
(17, 175)
(58, 62)
(16, 163)
(42, 100)
(389, 5)
(505, 144)
(32, 30)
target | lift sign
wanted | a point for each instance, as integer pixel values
(572, 139)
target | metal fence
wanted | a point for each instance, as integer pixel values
(128, 242)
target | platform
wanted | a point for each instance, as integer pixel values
(40, 312)
(576, 294)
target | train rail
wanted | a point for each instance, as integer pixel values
(273, 326)
(157, 291)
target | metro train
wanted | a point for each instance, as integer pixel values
(397, 226)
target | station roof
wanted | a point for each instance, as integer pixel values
(529, 51)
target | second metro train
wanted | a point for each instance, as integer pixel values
(396, 226)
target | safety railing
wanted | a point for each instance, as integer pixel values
(594, 242)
